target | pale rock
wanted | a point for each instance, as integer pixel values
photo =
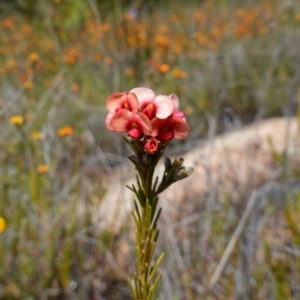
(244, 157)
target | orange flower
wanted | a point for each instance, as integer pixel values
(216, 32)
(241, 30)
(109, 61)
(97, 56)
(65, 131)
(129, 72)
(10, 64)
(202, 39)
(164, 68)
(33, 56)
(198, 16)
(42, 169)
(162, 41)
(105, 27)
(71, 56)
(26, 29)
(75, 87)
(8, 22)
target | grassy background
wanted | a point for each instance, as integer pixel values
(230, 64)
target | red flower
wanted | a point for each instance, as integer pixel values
(153, 106)
(141, 114)
(136, 125)
(174, 126)
(117, 102)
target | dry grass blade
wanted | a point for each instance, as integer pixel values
(239, 229)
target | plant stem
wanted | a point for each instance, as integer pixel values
(145, 279)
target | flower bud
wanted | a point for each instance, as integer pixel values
(178, 162)
(151, 146)
(168, 163)
(135, 133)
(183, 173)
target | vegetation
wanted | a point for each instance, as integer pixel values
(230, 64)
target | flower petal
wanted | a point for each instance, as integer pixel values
(164, 106)
(108, 120)
(121, 121)
(175, 101)
(158, 125)
(113, 101)
(122, 101)
(143, 94)
(166, 136)
(135, 133)
(144, 123)
(133, 102)
(126, 120)
(181, 129)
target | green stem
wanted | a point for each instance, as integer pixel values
(146, 279)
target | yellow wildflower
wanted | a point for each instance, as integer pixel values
(43, 169)
(188, 110)
(16, 120)
(28, 84)
(178, 73)
(65, 131)
(2, 224)
(37, 135)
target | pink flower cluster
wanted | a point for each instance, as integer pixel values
(147, 117)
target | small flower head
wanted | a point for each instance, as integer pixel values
(153, 106)
(37, 135)
(173, 127)
(28, 84)
(33, 56)
(136, 125)
(2, 224)
(122, 101)
(164, 68)
(65, 131)
(16, 120)
(42, 169)
(151, 119)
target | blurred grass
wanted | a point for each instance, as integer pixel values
(230, 64)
